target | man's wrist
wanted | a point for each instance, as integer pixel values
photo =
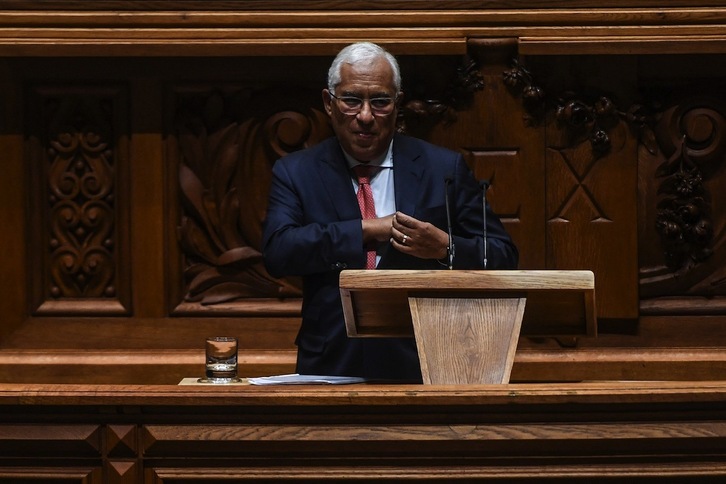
(375, 230)
(444, 261)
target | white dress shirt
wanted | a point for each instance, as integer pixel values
(382, 185)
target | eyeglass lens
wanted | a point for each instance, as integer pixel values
(353, 104)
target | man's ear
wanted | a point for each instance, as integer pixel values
(327, 99)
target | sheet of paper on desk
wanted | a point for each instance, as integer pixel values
(296, 379)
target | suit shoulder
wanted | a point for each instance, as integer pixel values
(315, 152)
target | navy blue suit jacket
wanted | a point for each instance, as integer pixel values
(313, 229)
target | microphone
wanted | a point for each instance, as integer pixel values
(448, 223)
(484, 185)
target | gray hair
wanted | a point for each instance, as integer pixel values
(361, 52)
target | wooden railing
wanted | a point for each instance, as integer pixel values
(669, 432)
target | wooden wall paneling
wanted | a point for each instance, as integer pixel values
(150, 343)
(666, 109)
(590, 172)
(591, 224)
(149, 275)
(681, 222)
(13, 256)
(197, 29)
(222, 134)
(228, 48)
(591, 175)
(513, 160)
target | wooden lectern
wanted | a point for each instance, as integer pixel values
(467, 323)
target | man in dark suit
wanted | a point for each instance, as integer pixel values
(315, 226)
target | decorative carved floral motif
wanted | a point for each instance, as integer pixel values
(456, 95)
(520, 81)
(81, 197)
(228, 142)
(584, 117)
(689, 132)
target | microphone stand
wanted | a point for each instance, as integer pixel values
(484, 187)
(448, 224)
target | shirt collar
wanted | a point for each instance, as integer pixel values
(384, 161)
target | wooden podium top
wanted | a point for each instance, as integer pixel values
(559, 302)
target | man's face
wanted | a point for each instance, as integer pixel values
(364, 135)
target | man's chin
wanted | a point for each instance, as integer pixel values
(365, 153)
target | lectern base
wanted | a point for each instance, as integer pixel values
(463, 340)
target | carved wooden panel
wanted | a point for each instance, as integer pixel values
(590, 223)
(91, 453)
(48, 475)
(222, 146)
(683, 230)
(78, 201)
(590, 174)
(618, 431)
(121, 454)
(591, 177)
(57, 440)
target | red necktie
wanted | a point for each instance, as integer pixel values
(365, 202)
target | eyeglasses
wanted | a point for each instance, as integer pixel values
(350, 105)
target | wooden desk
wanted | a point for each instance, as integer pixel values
(668, 431)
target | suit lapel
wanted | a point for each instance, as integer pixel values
(336, 181)
(407, 175)
(407, 182)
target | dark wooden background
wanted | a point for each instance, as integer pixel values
(136, 141)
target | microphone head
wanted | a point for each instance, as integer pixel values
(484, 185)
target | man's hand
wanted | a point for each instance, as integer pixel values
(377, 229)
(419, 239)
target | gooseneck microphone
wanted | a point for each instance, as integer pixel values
(484, 185)
(448, 223)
